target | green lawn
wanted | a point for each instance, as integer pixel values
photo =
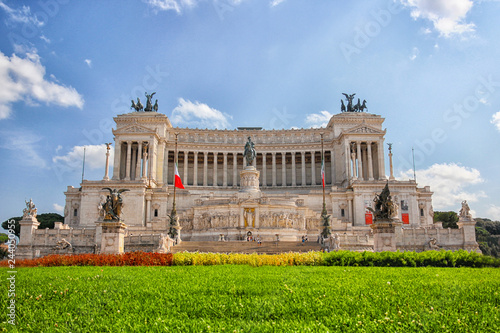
(254, 299)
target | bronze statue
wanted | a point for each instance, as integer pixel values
(363, 106)
(155, 107)
(137, 107)
(113, 205)
(359, 107)
(149, 105)
(349, 99)
(249, 152)
(384, 207)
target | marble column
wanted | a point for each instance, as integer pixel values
(165, 167)
(129, 160)
(294, 172)
(313, 168)
(159, 163)
(283, 169)
(332, 164)
(354, 170)
(195, 169)
(133, 164)
(264, 174)
(381, 162)
(303, 155)
(224, 170)
(360, 163)
(348, 160)
(235, 169)
(186, 168)
(116, 164)
(274, 168)
(150, 160)
(106, 172)
(139, 161)
(205, 168)
(370, 161)
(144, 161)
(214, 176)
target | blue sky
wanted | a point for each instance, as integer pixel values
(430, 67)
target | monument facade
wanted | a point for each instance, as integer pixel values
(251, 181)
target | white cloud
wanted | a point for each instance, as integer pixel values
(58, 208)
(176, 5)
(448, 17)
(495, 120)
(23, 79)
(24, 145)
(449, 183)
(414, 53)
(179, 5)
(95, 157)
(320, 119)
(493, 213)
(21, 15)
(88, 62)
(276, 2)
(45, 39)
(199, 115)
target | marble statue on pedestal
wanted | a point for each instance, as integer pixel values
(30, 210)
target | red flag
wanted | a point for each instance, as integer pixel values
(323, 171)
(178, 181)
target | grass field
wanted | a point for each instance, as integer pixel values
(232, 298)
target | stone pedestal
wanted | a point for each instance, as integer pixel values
(178, 239)
(28, 226)
(384, 235)
(249, 180)
(112, 236)
(468, 226)
(25, 247)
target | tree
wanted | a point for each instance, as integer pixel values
(449, 219)
(488, 236)
(46, 221)
(3, 238)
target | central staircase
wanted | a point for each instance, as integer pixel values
(246, 247)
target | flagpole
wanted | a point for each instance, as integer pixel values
(322, 171)
(174, 212)
(325, 218)
(83, 164)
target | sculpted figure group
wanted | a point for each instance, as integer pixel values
(149, 106)
(359, 107)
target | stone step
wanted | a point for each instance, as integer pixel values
(246, 247)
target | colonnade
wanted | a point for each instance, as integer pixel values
(365, 160)
(137, 160)
(134, 160)
(296, 168)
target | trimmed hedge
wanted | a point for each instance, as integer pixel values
(341, 258)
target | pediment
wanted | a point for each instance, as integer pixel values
(133, 129)
(364, 129)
